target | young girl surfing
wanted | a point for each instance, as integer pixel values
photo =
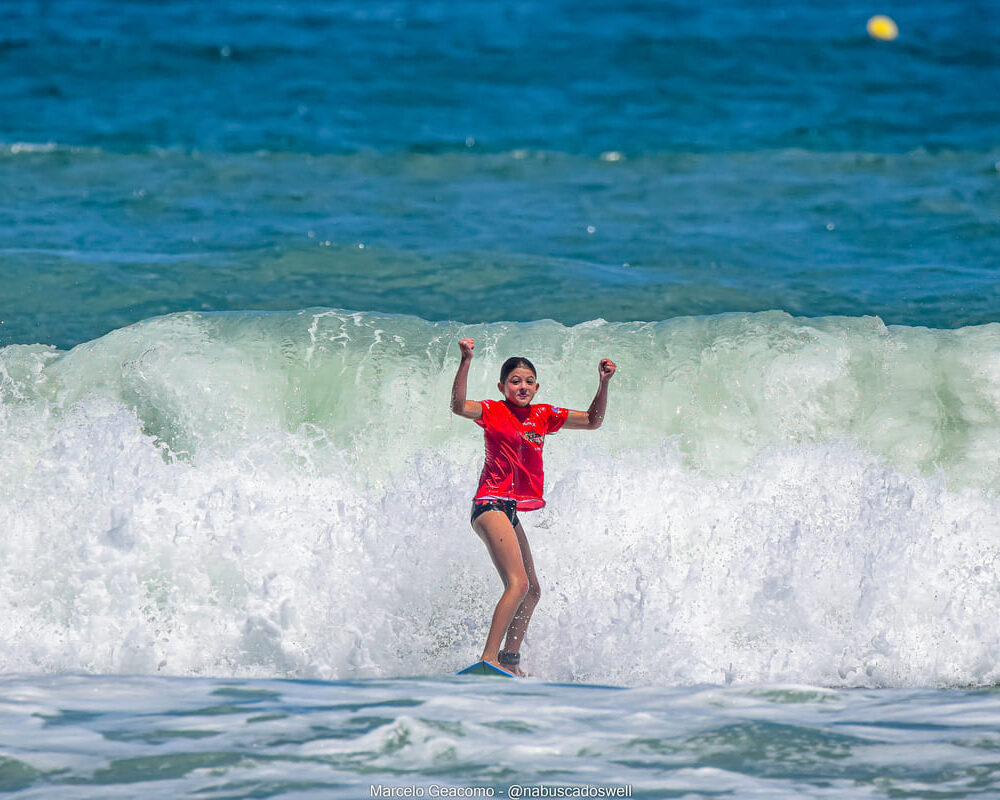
(512, 481)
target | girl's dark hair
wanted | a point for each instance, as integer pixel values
(514, 363)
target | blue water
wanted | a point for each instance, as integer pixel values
(239, 243)
(165, 157)
(76, 736)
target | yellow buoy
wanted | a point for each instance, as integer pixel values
(883, 28)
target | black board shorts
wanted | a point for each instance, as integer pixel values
(508, 507)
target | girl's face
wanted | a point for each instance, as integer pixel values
(520, 386)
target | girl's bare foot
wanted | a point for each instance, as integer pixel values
(510, 662)
(512, 669)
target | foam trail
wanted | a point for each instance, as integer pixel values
(286, 495)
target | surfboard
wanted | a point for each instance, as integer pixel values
(485, 668)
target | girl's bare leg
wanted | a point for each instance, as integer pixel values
(519, 625)
(504, 546)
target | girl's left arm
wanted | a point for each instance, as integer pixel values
(592, 418)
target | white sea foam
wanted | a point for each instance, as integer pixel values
(286, 495)
(27, 148)
(32, 147)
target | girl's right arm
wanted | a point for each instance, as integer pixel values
(469, 409)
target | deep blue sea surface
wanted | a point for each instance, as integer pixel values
(239, 242)
(495, 160)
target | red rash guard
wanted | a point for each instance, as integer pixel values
(514, 439)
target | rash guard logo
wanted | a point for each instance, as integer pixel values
(534, 438)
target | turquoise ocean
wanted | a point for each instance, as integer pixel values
(239, 242)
